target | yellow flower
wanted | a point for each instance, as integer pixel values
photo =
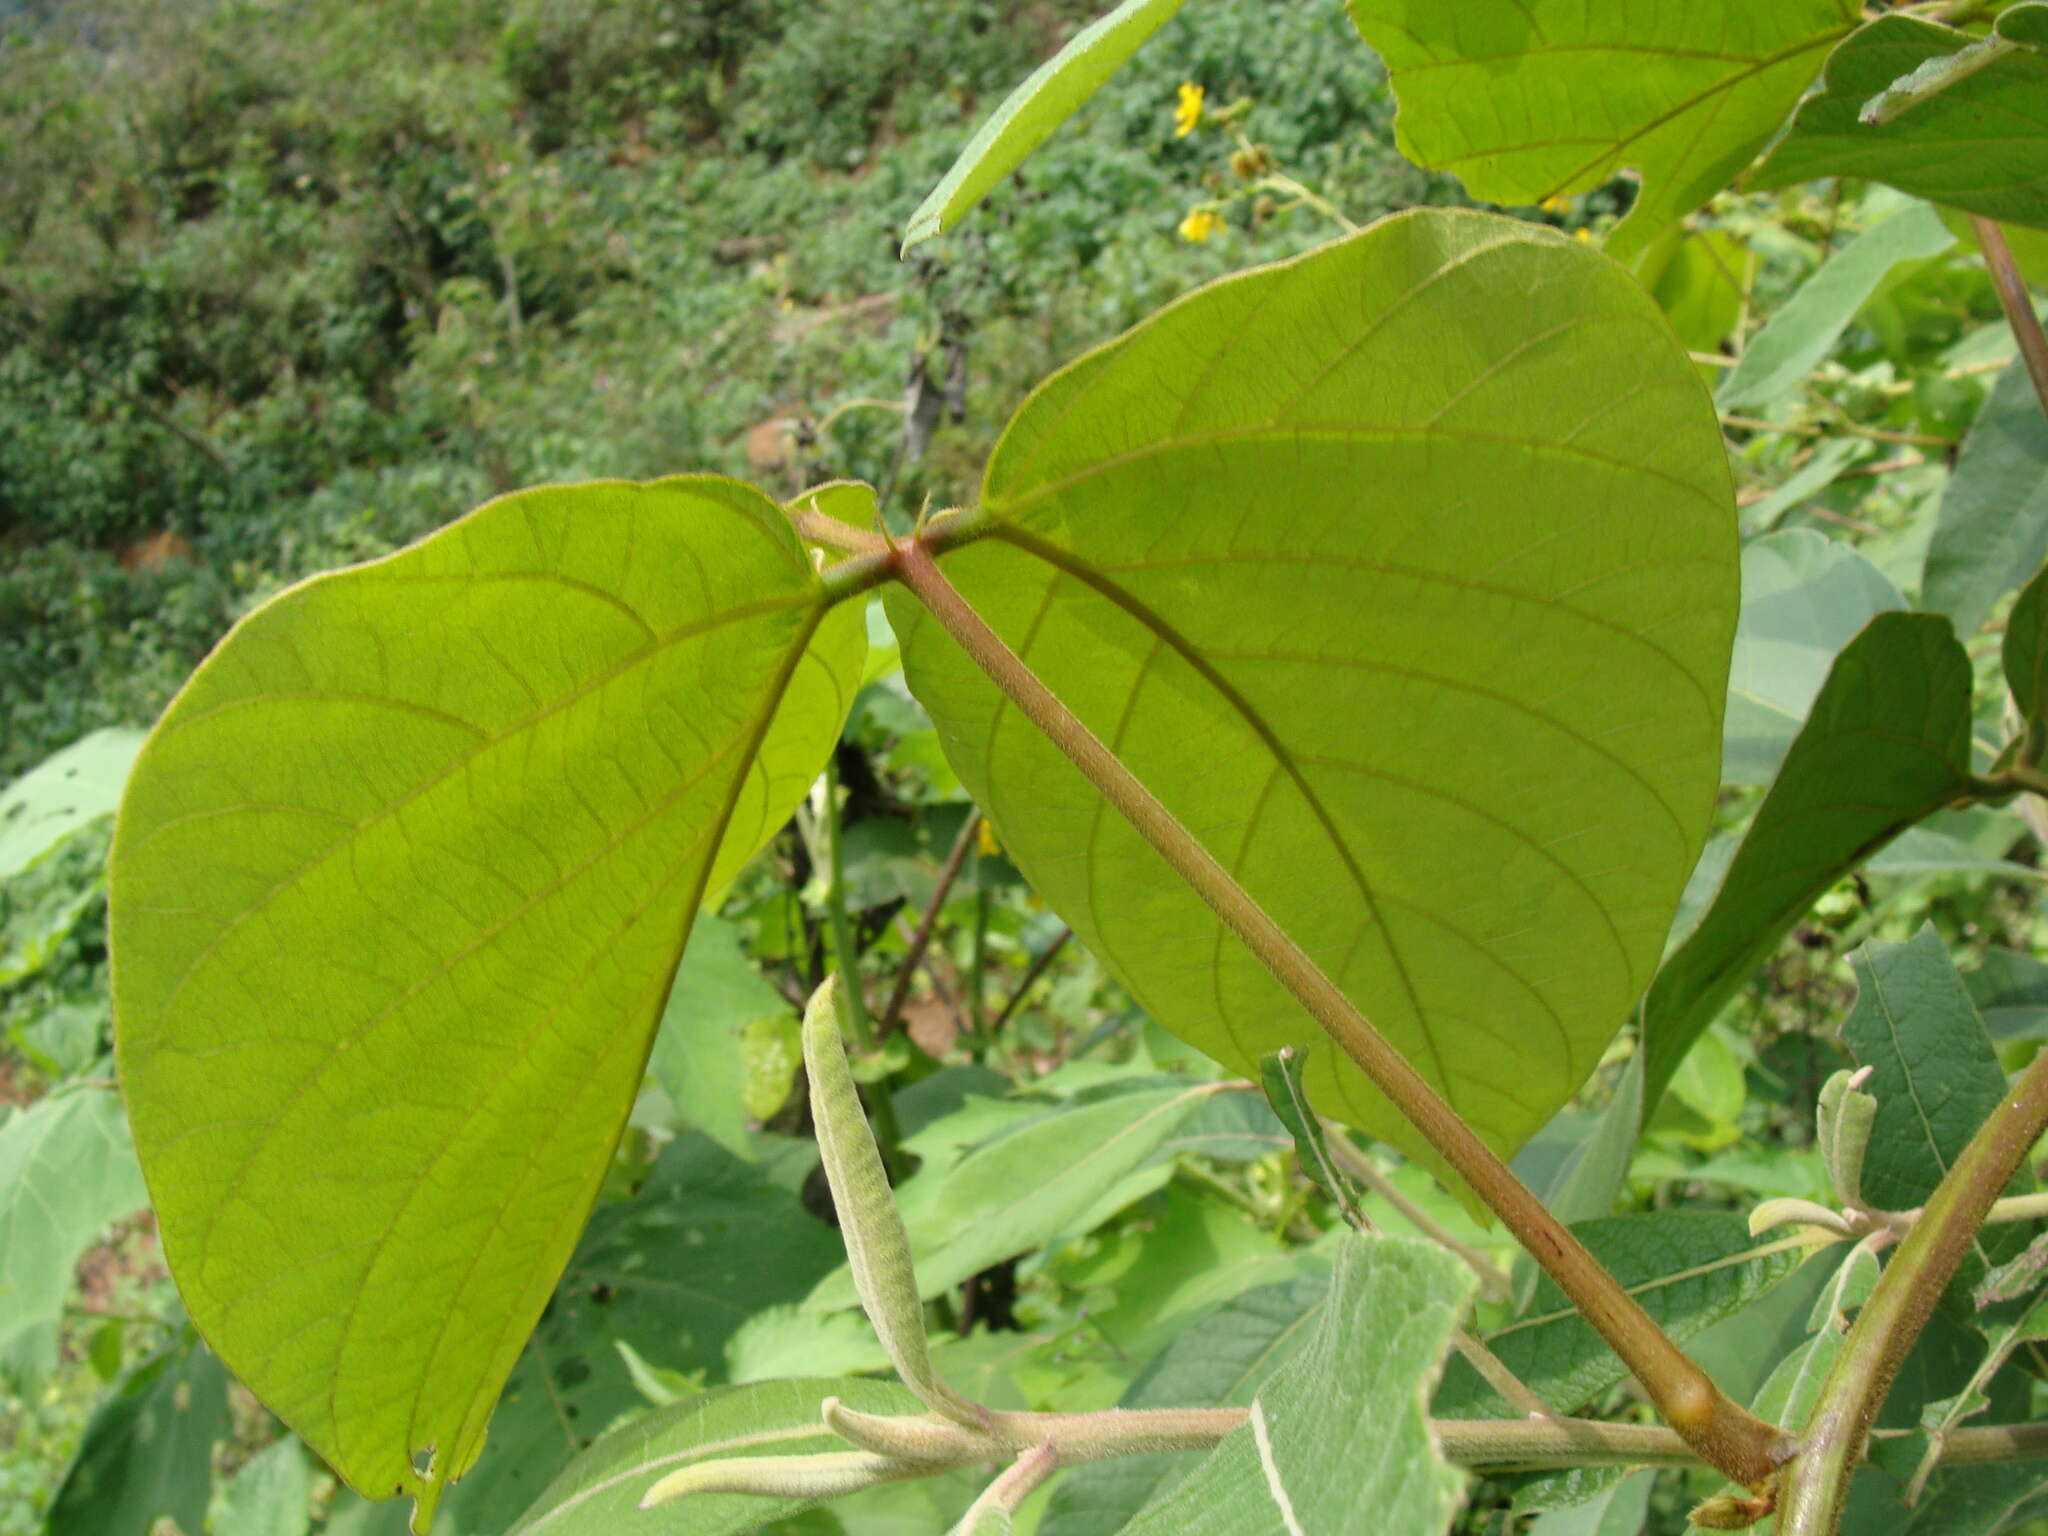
(985, 839)
(1199, 225)
(1189, 112)
(1555, 204)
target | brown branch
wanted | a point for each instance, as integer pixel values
(2013, 298)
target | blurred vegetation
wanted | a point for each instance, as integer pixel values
(284, 285)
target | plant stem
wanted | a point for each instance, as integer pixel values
(892, 1010)
(1810, 1503)
(846, 960)
(2019, 307)
(1039, 966)
(1362, 1168)
(1721, 1432)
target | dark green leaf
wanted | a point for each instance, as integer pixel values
(1993, 533)
(2010, 991)
(147, 1453)
(1887, 742)
(2026, 659)
(1689, 1269)
(1980, 143)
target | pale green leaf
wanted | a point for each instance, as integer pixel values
(147, 1451)
(599, 1493)
(271, 1496)
(1029, 114)
(1319, 551)
(1993, 533)
(787, 1341)
(399, 885)
(1297, 1467)
(1220, 1361)
(1688, 1268)
(1823, 469)
(1805, 329)
(1980, 143)
(67, 1172)
(1043, 1179)
(61, 794)
(1530, 99)
(1887, 742)
(1804, 597)
(1578, 1163)
(698, 1055)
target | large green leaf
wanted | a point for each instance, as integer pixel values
(1689, 1269)
(147, 1452)
(63, 793)
(599, 1493)
(1029, 114)
(1794, 340)
(1222, 1360)
(1529, 99)
(1979, 141)
(67, 1171)
(1887, 743)
(1993, 533)
(398, 888)
(1417, 617)
(1804, 597)
(1297, 1465)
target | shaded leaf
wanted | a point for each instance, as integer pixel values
(1529, 101)
(599, 1494)
(1377, 1342)
(1616, 1511)
(1979, 144)
(406, 868)
(698, 1055)
(1804, 597)
(1220, 1361)
(1240, 544)
(1993, 533)
(1037, 1181)
(1806, 327)
(1689, 1269)
(1887, 742)
(67, 1172)
(1578, 1163)
(271, 1496)
(1029, 114)
(2010, 992)
(147, 1451)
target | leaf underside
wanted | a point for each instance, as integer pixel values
(397, 891)
(1529, 99)
(1403, 574)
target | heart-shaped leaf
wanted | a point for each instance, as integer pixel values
(398, 888)
(1414, 608)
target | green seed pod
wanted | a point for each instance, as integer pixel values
(1844, 1118)
(825, 1476)
(877, 1244)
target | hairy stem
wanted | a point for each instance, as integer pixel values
(1721, 1432)
(2019, 308)
(1810, 1502)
